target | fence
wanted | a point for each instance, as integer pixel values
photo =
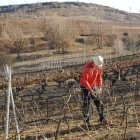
(57, 64)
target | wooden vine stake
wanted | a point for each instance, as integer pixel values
(10, 94)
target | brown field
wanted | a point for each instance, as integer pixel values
(48, 101)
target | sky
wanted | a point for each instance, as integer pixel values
(132, 6)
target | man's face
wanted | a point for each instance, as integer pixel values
(96, 67)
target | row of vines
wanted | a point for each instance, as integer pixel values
(48, 105)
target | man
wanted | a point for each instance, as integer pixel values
(92, 73)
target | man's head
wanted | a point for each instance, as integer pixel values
(98, 61)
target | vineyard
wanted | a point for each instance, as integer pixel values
(48, 103)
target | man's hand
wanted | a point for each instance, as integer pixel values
(100, 90)
(94, 93)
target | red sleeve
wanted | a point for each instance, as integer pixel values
(85, 79)
(99, 79)
(86, 83)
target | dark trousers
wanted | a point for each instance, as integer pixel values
(86, 97)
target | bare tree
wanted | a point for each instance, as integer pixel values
(12, 40)
(100, 31)
(35, 42)
(60, 33)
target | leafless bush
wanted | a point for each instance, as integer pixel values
(110, 40)
(12, 40)
(62, 43)
(60, 33)
(6, 59)
(132, 42)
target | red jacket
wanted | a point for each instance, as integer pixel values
(90, 75)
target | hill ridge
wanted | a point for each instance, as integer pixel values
(71, 9)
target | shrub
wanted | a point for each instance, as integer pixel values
(6, 59)
(132, 42)
(60, 33)
(12, 40)
(110, 40)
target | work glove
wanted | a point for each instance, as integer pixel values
(100, 90)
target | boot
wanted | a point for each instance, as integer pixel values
(101, 117)
(102, 120)
(86, 119)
